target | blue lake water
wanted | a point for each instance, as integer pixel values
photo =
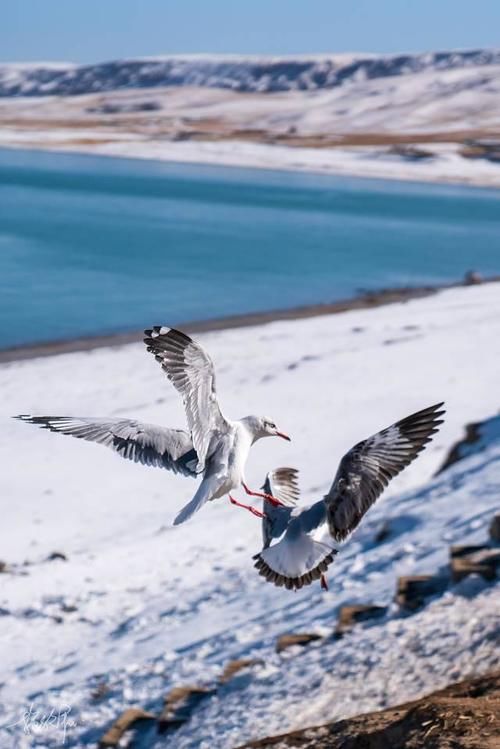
(94, 245)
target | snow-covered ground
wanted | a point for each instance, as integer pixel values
(446, 167)
(144, 606)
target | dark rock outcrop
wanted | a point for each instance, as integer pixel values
(179, 705)
(127, 720)
(235, 667)
(301, 638)
(349, 616)
(412, 591)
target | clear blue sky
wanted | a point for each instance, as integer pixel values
(95, 30)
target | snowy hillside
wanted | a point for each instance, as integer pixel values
(401, 116)
(139, 607)
(246, 74)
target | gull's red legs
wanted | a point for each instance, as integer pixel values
(324, 582)
(267, 497)
(251, 509)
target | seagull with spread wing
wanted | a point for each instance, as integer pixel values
(214, 447)
(299, 557)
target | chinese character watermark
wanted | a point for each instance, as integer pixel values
(35, 720)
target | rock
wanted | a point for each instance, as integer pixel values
(461, 568)
(383, 532)
(125, 722)
(410, 153)
(412, 591)
(478, 437)
(101, 691)
(69, 608)
(474, 560)
(481, 149)
(351, 615)
(495, 529)
(472, 277)
(301, 638)
(179, 705)
(57, 555)
(234, 667)
(466, 551)
(110, 107)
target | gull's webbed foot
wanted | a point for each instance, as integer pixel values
(251, 509)
(264, 495)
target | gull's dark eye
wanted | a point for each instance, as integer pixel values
(271, 425)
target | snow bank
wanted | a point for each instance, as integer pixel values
(144, 606)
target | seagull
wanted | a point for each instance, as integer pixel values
(214, 447)
(299, 557)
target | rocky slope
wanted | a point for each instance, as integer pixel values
(462, 716)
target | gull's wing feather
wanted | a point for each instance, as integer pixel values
(283, 484)
(191, 371)
(367, 468)
(143, 443)
(297, 559)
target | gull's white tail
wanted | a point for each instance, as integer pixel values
(294, 563)
(205, 491)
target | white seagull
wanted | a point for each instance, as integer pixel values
(364, 472)
(215, 447)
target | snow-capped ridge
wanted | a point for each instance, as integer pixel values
(239, 73)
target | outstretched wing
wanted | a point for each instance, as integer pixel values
(282, 483)
(367, 468)
(143, 443)
(298, 558)
(191, 371)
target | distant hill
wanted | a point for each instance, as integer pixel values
(247, 74)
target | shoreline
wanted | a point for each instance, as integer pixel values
(364, 300)
(447, 168)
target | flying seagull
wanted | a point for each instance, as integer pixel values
(298, 557)
(214, 447)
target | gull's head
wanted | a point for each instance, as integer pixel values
(262, 426)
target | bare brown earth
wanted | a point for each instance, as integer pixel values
(462, 716)
(215, 129)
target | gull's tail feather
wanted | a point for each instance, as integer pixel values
(294, 564)
(204, 493)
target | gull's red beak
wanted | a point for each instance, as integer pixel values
(283, 436)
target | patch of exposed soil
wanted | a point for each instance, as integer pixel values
(462, 716)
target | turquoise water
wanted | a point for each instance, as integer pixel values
(97, 245)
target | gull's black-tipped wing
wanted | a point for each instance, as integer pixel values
(190, 369)
(143, 443)
(367, 468)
